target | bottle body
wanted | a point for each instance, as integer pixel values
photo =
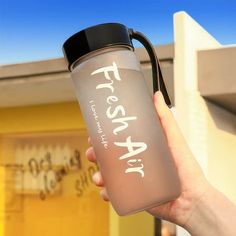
(127, 136)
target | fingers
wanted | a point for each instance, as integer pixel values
(91, 155)
(98, 180)
(171, 129)
(104, 194)
(90, 152)
(97, 177)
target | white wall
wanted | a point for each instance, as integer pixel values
(209, 130)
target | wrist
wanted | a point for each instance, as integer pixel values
(212, 215)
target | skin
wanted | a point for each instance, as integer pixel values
(200, 209)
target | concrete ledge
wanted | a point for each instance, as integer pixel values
(164, 52)
(217, 76)
(48, 81)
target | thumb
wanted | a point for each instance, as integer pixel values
(170, 127)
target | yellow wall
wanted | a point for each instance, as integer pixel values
(50, 117)
(62, 213)
(2, 197)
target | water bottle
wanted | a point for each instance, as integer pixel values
(128, 139)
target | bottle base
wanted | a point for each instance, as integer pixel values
(155, 204)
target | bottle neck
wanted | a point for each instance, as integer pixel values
(99, 52)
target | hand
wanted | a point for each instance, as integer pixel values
(193, 182)
(201, 209)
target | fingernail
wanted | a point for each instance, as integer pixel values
(161, 97)
(103, 194)
(96, 177)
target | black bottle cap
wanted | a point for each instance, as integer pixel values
(94, 38)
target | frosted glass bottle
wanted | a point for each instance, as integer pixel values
(127, 136)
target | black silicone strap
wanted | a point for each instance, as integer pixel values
(157, 78)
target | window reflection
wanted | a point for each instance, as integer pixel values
(47, 186)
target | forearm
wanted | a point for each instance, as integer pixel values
(213, 215)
